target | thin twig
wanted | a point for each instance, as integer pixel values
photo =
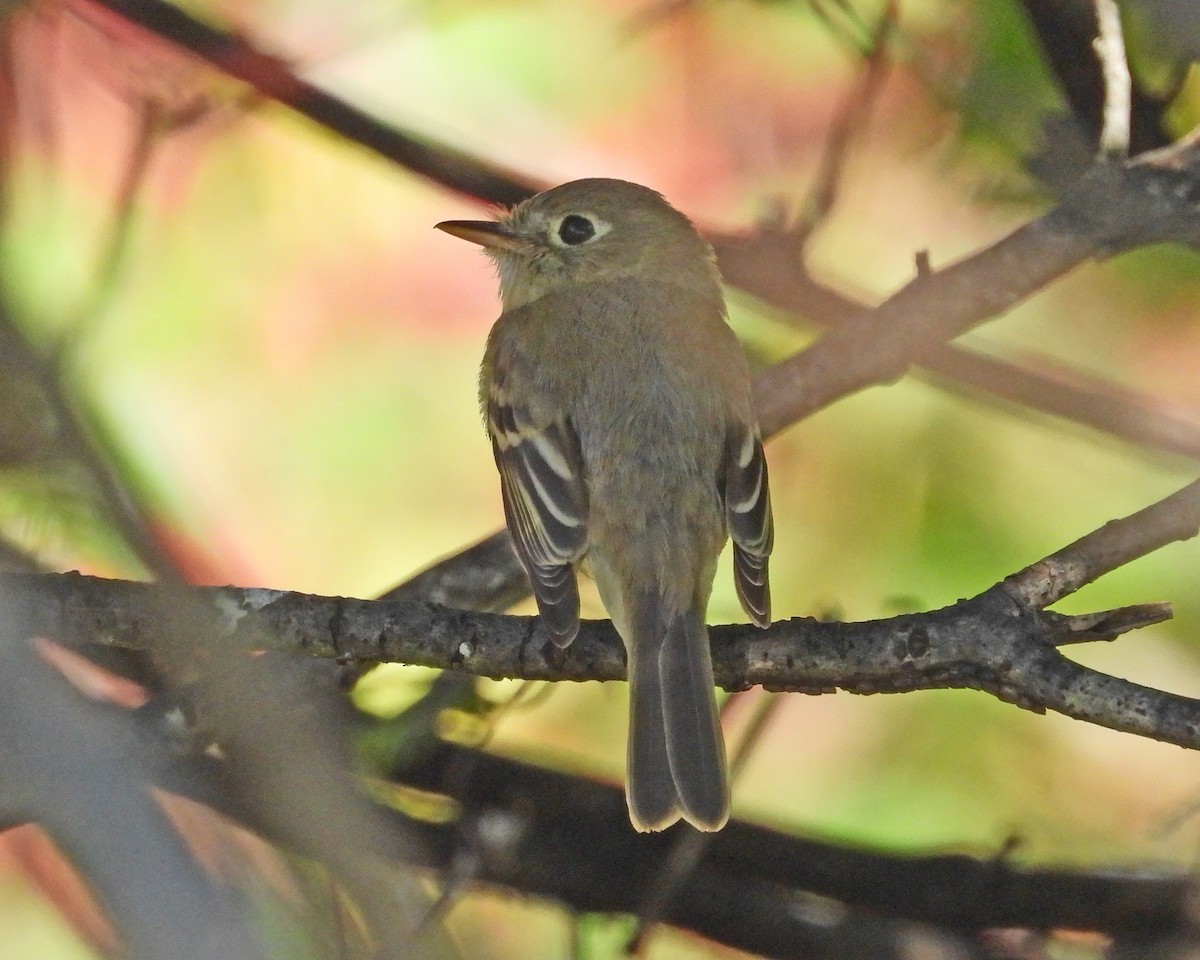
(1064, 29)
(1110, 49)
(77, 439)
(848, 126)
(1042, 385)
(1115, 544)
(116, 243)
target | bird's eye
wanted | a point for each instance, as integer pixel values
(575, 230)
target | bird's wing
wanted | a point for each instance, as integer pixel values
(748, 514)
(545, 502)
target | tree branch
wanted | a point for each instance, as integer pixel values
(1065, 29)
(1112, 208)
(1173, 518)
(1001, 641)
(766, 265)
(1114, 68)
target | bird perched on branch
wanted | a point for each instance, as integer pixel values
(619, 408)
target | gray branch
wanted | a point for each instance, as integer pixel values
(1002, 641)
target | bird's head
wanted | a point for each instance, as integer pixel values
(587, 231)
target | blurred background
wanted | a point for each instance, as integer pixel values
(280, 353)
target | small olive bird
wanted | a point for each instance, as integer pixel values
(618, 404)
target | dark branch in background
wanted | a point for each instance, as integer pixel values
(273, 78)
(755, 888)
(960, 893)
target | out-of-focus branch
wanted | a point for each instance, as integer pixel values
(757, 916)
(77, 768)
(767, 265)
(1040, 384)
(516, 819)
(1111, 209)
(615, 868)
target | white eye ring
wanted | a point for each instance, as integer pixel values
(578, 229)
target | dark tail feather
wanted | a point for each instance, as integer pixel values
(695, 746)
(676, 751)
(649, 788)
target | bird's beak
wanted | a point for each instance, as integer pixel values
(486, 233)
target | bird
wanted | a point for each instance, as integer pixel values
(618, 403)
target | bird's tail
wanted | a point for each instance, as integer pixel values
(676, 751)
